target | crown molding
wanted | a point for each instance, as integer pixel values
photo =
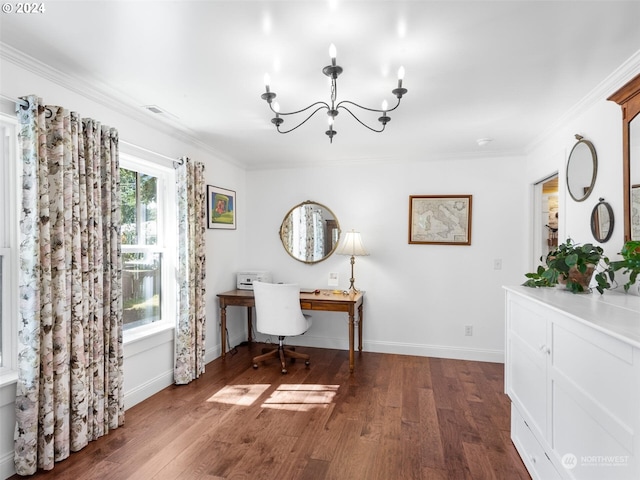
(618, 77)
(101, 93)
(405, 159)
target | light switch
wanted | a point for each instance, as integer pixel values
(333, 279)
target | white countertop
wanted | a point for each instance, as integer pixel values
(614, 313)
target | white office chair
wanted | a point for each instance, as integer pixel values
(278, 313)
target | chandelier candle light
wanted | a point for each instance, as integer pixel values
(352, 245)
(333, 71)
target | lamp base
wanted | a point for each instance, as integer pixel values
(352, 280)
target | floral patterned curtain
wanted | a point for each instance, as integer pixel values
(190, 328)
(303, 233)
(311, 234)
(318, 235)
(69, 389)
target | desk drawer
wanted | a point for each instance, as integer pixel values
(305, 305)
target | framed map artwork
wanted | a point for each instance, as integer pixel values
(440, 219)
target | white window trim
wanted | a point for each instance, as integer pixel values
(9, 243)
(166, 242)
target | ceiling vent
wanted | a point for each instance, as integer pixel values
(154, 109)
(159, 111)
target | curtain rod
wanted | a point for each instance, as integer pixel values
(24, 104)
(179, 161)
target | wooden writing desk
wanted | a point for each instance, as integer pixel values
(326, 301)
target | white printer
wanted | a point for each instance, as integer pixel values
(244, 280)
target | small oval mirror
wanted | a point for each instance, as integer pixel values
(582, 168)
(602, 221)
(310, 232)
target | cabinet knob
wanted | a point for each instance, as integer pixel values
(545, 349)
(533, 458)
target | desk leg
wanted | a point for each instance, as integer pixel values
(360, 328)
(223, 329)
(250, 323)
(351, 353)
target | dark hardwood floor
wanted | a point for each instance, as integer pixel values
(395, 418)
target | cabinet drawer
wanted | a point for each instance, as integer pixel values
(532, 453)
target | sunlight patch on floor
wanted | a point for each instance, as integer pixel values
(301, 397)
(298, 397)
(239, 394)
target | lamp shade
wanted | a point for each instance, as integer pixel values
(351, 245)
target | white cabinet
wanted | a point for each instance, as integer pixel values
(572, 371)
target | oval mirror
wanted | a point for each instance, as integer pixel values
(602, 221)
(310, 232)
(582, 168)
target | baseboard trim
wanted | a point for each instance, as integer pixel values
(7, 466)
(420, 350)
(438, 351)
(147, 389)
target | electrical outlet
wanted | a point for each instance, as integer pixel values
(468, 330)
(333, 279)
(497, 264)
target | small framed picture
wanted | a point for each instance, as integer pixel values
(440, 219)
(221, 208)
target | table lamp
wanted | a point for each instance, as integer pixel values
(352, 245)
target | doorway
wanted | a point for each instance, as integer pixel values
(547, 217)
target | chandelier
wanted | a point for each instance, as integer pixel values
(333, 71)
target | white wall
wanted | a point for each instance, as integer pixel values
(601, 123)
(418, 297)
(148, 362)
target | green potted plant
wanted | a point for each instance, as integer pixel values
(572, 265)
(630, 263)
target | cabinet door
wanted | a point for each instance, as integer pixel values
(528, 351)
(595, 402)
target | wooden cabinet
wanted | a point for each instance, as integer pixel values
(572, 371)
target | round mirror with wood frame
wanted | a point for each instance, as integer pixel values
(310, 232)
(628, 97)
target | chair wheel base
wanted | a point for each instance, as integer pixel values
(282, 354)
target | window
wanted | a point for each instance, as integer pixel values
(8, 244)
(147, 193)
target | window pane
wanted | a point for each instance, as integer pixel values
(139, 198)
(141, 288)
(149, 209)
(129, 210)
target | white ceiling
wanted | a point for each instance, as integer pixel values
(506, 70)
